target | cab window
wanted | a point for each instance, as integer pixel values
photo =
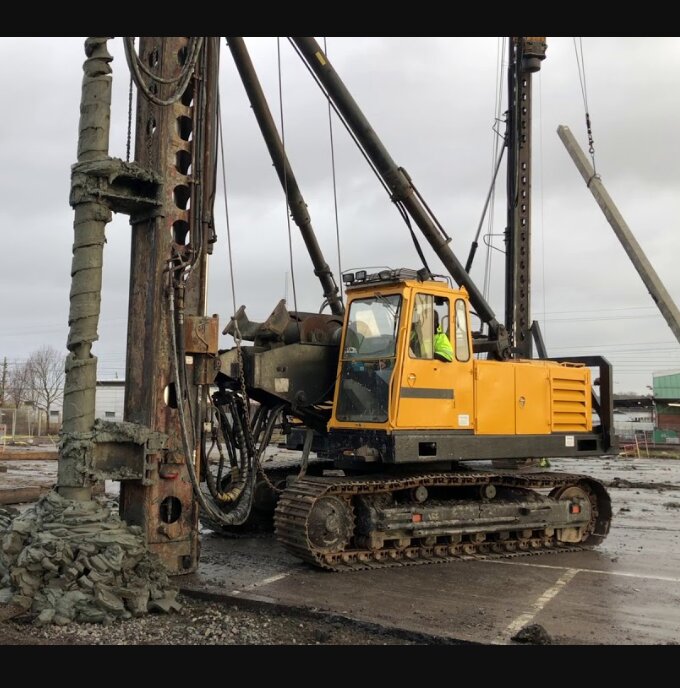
(429, 313)
(461, 332)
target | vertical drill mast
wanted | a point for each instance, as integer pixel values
(168, 278)
(525, 55)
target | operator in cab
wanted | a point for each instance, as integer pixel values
(442, 346)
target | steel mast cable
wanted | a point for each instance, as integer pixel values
(399, 205)
(335, 188)
(285, 183)
(237, 332)
(494, 156)
(220, 134)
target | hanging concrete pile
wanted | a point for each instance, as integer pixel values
(64, 560)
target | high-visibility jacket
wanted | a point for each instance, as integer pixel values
(442, 345)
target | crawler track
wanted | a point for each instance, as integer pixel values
(307, 505)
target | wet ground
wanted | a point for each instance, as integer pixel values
(624, 592)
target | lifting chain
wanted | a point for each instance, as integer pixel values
(591, 143)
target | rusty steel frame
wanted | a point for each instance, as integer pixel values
(178, 142)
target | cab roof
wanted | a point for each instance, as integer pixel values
(388, 276)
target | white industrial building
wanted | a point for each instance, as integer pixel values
(109, 399)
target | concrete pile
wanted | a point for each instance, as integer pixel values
(64, 560)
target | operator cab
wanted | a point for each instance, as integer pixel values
(397, 339)
(402, 396)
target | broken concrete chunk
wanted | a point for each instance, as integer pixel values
(48, 564)
(30, 555)
(113, 557)
(65, 610)
(106, 599)
(76, 596)
(534, 634)
(25, 582)
(164, 604)
(130, 562)
(23, 601)
(45, 617)
(12, 542)
(98, 563)
(80, 508)
(136, 599)
(116, 537)
(23, 525)
(59, 583)
(97, 577)
(87, 547)
(92, 615)
(71, 573)
(85, 583)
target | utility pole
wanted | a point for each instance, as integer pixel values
(3, 381)
(525, 56)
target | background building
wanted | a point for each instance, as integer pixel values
(666, 387)
(109, 399)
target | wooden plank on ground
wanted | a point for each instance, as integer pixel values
(19, 495)
(26, 455)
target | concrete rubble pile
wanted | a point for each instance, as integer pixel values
(6, 516)
(64, 560)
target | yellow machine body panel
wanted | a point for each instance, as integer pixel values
(571, 407)
(531, 398)
(434, 394)
(390, 378)
(494, 393)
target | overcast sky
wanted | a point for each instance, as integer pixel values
(432, 102)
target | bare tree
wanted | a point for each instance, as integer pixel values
(19, 384)
(46, 369)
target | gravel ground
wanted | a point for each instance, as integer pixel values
(201, 622)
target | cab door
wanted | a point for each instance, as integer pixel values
(434, 393)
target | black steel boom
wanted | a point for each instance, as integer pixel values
(402, 189)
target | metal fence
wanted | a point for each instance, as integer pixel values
(26, 421)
